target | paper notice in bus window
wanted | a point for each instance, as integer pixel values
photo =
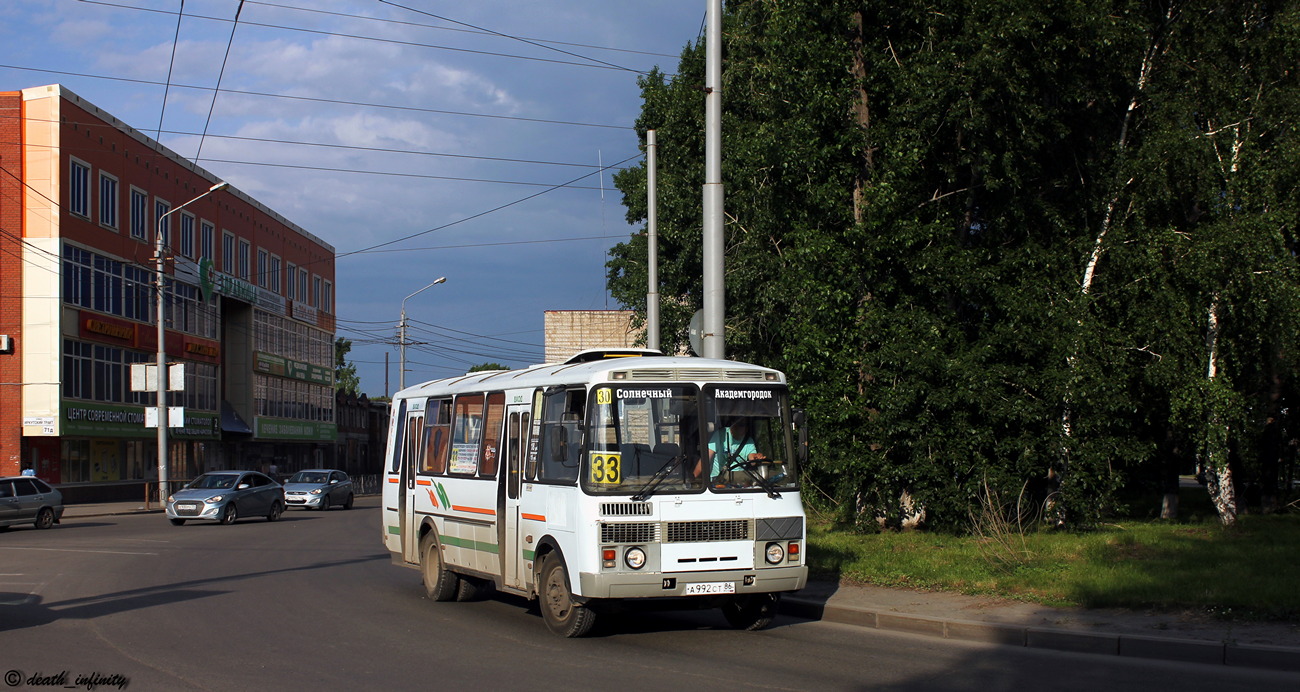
(464, 458)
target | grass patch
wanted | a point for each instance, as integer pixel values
(1250, 571)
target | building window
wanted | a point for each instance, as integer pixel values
(274, 279)
(315, 291)
(302, 284)
(228, 253)
(107, 200)
(263, 267)
(291, 285)
(139, 214)
(206, 234)
(245, 249)
(327, 299)
(76, 276)
(79, 189)
(187, 235)
(163, 228)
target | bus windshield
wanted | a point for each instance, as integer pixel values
(656, 438)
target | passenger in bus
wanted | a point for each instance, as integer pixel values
(731, 444)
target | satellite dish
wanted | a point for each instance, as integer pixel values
(696, 331)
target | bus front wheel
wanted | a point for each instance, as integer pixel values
(751, 612)
(563, 615)
(440, 584)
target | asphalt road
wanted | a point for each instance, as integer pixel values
(312, 601)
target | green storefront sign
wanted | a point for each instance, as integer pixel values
(82, 419)
(289, 429)
(292, 369)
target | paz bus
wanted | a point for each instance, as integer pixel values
(613, 477)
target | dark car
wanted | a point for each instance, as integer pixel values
(318, 489)
(225, 496)
(29, 500)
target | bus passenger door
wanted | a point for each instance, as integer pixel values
(411, 452)
(517, 418)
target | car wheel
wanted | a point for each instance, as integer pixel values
(348, 504)
(440, 584)
(751, 612)
(178, 522)
(45, 519)
(230, 514)
(563, 615)
(325, 503)
(276, 510)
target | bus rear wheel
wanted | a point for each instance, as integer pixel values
(440, 584)
(563, 615)
(751, 612)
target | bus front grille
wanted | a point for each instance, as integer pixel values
(631, 532)
(699, 531)
(625, 509)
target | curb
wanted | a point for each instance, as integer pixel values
(1280, 658)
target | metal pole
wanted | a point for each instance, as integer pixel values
(159, 267)
(715, 308)
(652, 242)
(161, 282)
(401, 348)
(401, 374)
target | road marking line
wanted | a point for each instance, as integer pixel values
(72, 550)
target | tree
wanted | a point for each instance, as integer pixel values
(1014, 243)
(487, 367)
(345, 373)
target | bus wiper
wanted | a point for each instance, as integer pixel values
(765, 484)
(657, 479)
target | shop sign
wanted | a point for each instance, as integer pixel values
(279, 366)
(81, 419)
(285, 429)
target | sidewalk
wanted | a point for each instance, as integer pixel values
(1187, 637)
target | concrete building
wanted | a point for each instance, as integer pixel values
(249, 309)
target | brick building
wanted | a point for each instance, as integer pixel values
(570, 331)
(249, 308)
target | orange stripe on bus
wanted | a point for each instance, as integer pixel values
(474, 510)
(424, 482)
(534, 517)
(393, 480)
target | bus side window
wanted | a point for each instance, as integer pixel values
(561, 435)
(490, 451)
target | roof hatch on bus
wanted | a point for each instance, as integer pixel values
(595, 354)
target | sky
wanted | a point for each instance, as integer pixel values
(421, 138)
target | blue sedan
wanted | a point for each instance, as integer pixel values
(319, 489)
(225, 496)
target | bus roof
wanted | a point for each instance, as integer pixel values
(648, 366)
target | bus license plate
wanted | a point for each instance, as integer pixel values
(710, 587)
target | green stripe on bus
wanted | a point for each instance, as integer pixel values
(530, 554)
(471, 544)
(395, 530)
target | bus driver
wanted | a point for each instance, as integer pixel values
(735, 443)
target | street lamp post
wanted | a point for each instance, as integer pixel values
(401, 374)
(161, 284)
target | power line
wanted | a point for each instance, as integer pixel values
(312, 99)
(592, 63)
(467, 31)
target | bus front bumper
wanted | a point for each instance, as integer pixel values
(686, 584)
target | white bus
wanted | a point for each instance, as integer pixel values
(615, 476)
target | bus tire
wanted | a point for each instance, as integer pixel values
(440, 584)
(563, 615)
(751, 612)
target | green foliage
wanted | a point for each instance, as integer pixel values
(345, 374)
(484, 367)
(915, 193)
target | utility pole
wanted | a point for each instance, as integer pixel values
(715, 300)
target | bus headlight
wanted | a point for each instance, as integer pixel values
(774, 553)
(635, 558)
